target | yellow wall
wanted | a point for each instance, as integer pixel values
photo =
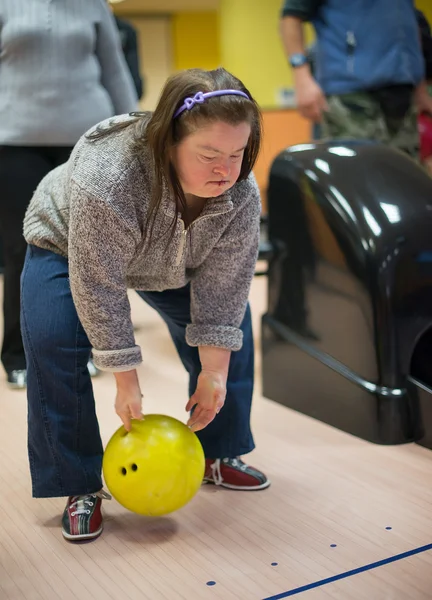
(196, 40)
(251, 47)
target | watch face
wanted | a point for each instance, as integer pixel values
(298, 59)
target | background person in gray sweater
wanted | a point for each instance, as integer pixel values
(62, 70)
(164, 203)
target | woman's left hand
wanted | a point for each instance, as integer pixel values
(208, 399)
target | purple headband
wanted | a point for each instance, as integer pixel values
(200, 97)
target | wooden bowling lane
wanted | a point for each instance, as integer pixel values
(335, 505)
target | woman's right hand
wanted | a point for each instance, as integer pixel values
(128, 403)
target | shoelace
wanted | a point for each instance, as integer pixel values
(236, 462)
(216, 468)
(81, 503)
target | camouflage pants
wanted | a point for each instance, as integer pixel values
(360, 116)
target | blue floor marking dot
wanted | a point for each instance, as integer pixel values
(274, 564)
(211, 583)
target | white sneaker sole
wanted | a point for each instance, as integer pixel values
(250, 488)
(82, 537)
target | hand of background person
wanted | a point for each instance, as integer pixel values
(423, 100)
(310, 99)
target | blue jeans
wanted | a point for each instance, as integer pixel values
(64, 443)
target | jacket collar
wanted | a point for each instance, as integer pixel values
(214, 206)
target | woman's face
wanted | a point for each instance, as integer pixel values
(208, 161)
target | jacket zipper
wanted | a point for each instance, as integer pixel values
(184, 233)
(182, 244)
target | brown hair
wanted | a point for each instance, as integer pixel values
(160, 132)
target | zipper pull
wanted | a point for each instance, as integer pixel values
(181, 247)
(351, 46)
(351, 41)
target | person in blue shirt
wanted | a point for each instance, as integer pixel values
(369, 79)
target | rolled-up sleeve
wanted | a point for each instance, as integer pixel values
(220, 288)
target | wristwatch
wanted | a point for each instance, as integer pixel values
(297, 60)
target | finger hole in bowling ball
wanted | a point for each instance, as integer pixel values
(134, 467)
(123, 471)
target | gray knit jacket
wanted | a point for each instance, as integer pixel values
(93, 210)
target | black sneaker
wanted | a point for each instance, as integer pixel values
(17, 379)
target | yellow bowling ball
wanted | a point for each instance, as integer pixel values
(156, 468)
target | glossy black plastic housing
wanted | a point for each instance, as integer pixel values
(347, 336)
